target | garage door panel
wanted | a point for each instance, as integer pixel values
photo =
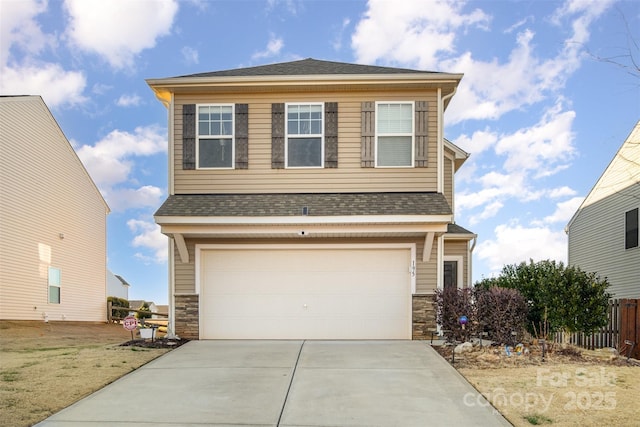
(310, 293)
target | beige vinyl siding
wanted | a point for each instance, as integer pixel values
(448, 181)
(348, 177)
(425, 271)
(597, 239)
(185, 274)
(458, 248)
(45, 191)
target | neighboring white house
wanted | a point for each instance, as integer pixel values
(53, 221)
(603, 233)
(117, 286)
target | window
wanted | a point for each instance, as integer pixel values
(394, 134)
(54, 285)
(215, 136)
(631, 229)
(450, 274)
(304, 136)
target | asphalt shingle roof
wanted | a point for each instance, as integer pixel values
(456, 229)
(307, 66)
(318, 204)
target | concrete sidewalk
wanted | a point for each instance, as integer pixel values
(287, 383)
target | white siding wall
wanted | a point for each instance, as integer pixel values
(45, 191)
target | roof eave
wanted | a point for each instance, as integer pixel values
(163, 87)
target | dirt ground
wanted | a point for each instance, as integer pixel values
(45, 367)
(569, 387)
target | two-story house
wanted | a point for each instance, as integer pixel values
(603, 234)
(310, 199)
(53, 221)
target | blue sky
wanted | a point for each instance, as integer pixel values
(548, 97)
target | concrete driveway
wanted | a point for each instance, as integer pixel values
(288, 383)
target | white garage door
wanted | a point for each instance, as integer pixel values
(267, 293)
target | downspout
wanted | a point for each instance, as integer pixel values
(469, 264)
(171, 263)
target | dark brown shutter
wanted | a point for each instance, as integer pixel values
(331, 135)
(368, 135)
(189, 136)
(242, 136)
(422, 140)
(277, 136)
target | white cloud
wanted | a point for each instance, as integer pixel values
(118, 30)
(480, 141)
(190, 55)
(541, 147)
(274, 46)
(515, 243)
(128, 101)
(409, 32)
(19, 29)
(564, 211)
(148, 236)
(57, 86)
(110, 160)
(563, 191)
(120, 199)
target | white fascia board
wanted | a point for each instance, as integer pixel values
(303, 220)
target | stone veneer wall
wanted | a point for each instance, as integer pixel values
(187, 317)
(424, 317)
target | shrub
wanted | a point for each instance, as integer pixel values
(141, 314)
(568, 298)
(119, 302)
(502, 313)
(451, 304)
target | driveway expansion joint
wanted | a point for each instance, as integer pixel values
(293, 373)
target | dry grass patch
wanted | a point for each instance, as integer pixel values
(47, 367)
(570, 387)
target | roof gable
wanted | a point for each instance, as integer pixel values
(20, 112)
(622, 172)
(308, 66)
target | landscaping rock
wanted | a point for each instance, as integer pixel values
(463, 348)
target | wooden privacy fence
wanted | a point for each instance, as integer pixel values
(622, 331)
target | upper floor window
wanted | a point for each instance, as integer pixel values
(394, 134)
(215, 136)
(631, 229)
(304, 146)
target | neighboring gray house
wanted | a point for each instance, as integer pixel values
(117, 286)
(603, 233)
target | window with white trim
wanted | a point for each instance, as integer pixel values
(304, 147)
(54, 285)
(394, 134)
(215, 138)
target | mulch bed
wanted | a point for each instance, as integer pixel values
(157, 343)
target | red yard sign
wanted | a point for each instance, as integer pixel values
(130, 323)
